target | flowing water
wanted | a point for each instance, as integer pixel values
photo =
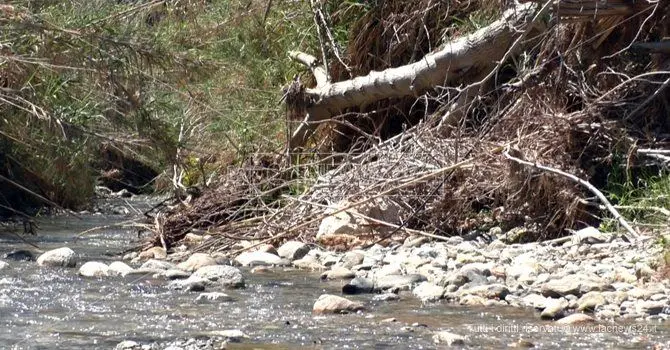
(49, 308)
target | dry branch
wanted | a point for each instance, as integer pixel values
(584, 183)
(590, 9)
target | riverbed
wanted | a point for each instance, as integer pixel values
(49, 308)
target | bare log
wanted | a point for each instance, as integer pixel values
(456, 60)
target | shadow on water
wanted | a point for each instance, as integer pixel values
(47, 308)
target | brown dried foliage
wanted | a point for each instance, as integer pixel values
(573, 112)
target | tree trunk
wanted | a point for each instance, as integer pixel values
(476, 52)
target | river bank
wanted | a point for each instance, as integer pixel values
(417, 295)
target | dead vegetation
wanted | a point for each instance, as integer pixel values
(583, 97)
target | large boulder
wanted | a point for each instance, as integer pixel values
(220, 274)
(428, 292)
(293, 250)
(61, 257)
(94, 269)
(258, 258)
(577, 285)
(338, 273)
(333, 304)
(119, 268)
(358, 285)
(154, 264)
(398, 282)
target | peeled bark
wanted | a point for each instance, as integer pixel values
(472, 53)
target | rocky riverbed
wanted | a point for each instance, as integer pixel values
(591, 290)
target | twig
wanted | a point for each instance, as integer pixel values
(320, 72)
(356, 204)
(333, 46)
(267, 11)
(650, 98)
(418, 179)
(320, 36)
(127, 223)
(660, 210)
(45, 200)
(653, 151)
(584, 183)
(24, 240)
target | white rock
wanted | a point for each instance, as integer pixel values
(258, 258)
(231, 334)
(428, 292)
(338, 273)
(575, 318)
(127, 345)
(524, 264)
(154, 264)
(293, 250)
(3, 265)
(222, 274)
(554, 308)
(119, 268)
(590, 235)
(335, 304)
(196, 261)
(204, 298)
(448, 338)
(94, 269)
(61, 257)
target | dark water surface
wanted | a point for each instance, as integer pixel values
(47, 308)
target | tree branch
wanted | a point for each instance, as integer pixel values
(584, 183)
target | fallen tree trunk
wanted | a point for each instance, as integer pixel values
(463, 57)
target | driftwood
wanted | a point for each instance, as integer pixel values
(461, 58)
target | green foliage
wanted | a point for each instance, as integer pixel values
(640, 197)
(166, 82)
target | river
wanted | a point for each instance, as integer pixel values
(49, 308)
